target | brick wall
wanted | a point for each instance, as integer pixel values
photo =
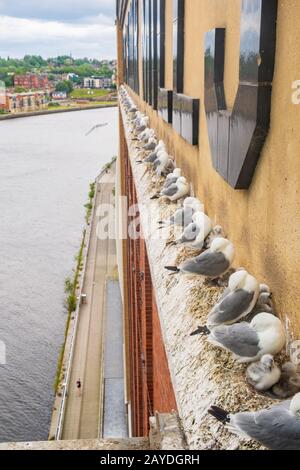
(150, 382)
(163, 394)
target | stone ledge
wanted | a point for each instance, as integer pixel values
(96, 444)
(202, 375)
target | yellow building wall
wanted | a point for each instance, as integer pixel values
(264, 221)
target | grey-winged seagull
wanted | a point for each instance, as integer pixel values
(195, 233)
(213, 263)
(277, 428)
(184, 215)
(248, 342)
(238, 301)
(175, 191)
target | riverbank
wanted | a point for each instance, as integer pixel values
(4, 117)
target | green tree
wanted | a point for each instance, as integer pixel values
(65, 85)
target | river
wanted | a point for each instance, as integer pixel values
(46, 165)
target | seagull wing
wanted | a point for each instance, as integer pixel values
(240, 339)
(170, 191)
(276, 428)
(231, 308)
(207, 264)
(96, 127)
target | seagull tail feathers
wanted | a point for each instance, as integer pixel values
(201, 330)
(156, 196)
(174, 269)
(219, 414)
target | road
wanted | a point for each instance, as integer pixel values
(84, 412)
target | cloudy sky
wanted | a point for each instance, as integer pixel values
(57, 27)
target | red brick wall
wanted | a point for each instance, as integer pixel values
(163, 394)
(150, 382)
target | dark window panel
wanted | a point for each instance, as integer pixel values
(165, 104)
(154, 53)
(178, 45)
(150, 51)
(161, 42)
(237, 138)
(176, 119)
(190, 119)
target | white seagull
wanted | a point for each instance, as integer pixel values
(163, 163)
(213, 263)
(172, 177)
(264, 374)
(277, 428)
(196, 232)
(153, 155)
(175, 191)
(248, 342)
(184, 215)
(151, 144)
(238, 301)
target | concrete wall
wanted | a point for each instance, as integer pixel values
(264, 221)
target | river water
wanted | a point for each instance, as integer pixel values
(46, 165)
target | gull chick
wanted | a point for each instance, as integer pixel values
(277, 428)
(213, 263)
(289, 382)
(264, 374)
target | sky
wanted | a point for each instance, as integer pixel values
(49, 28)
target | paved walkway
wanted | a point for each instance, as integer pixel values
(114, 417)
(84, 414)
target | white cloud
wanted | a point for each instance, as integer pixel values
(95, 37)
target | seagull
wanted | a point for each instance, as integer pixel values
(217, 232)
(97, 126)
(289, 382)
(248, 342)
(153, 156)
(264, 374)
(172, 177)
(175, 191)
(238, 302)
(151, 145)
(163, 164)
(146, 135)
(264, 302)
(195, 233)
(277, 428)
(213, 263)
(143, 124)
(184, 215)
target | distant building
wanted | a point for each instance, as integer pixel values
(23, 102)
(59, 95)
(97, 82)
(31, 81)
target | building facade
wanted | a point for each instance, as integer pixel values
(97, 82)
(24, 102)
(218, 80)
(31, 81)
